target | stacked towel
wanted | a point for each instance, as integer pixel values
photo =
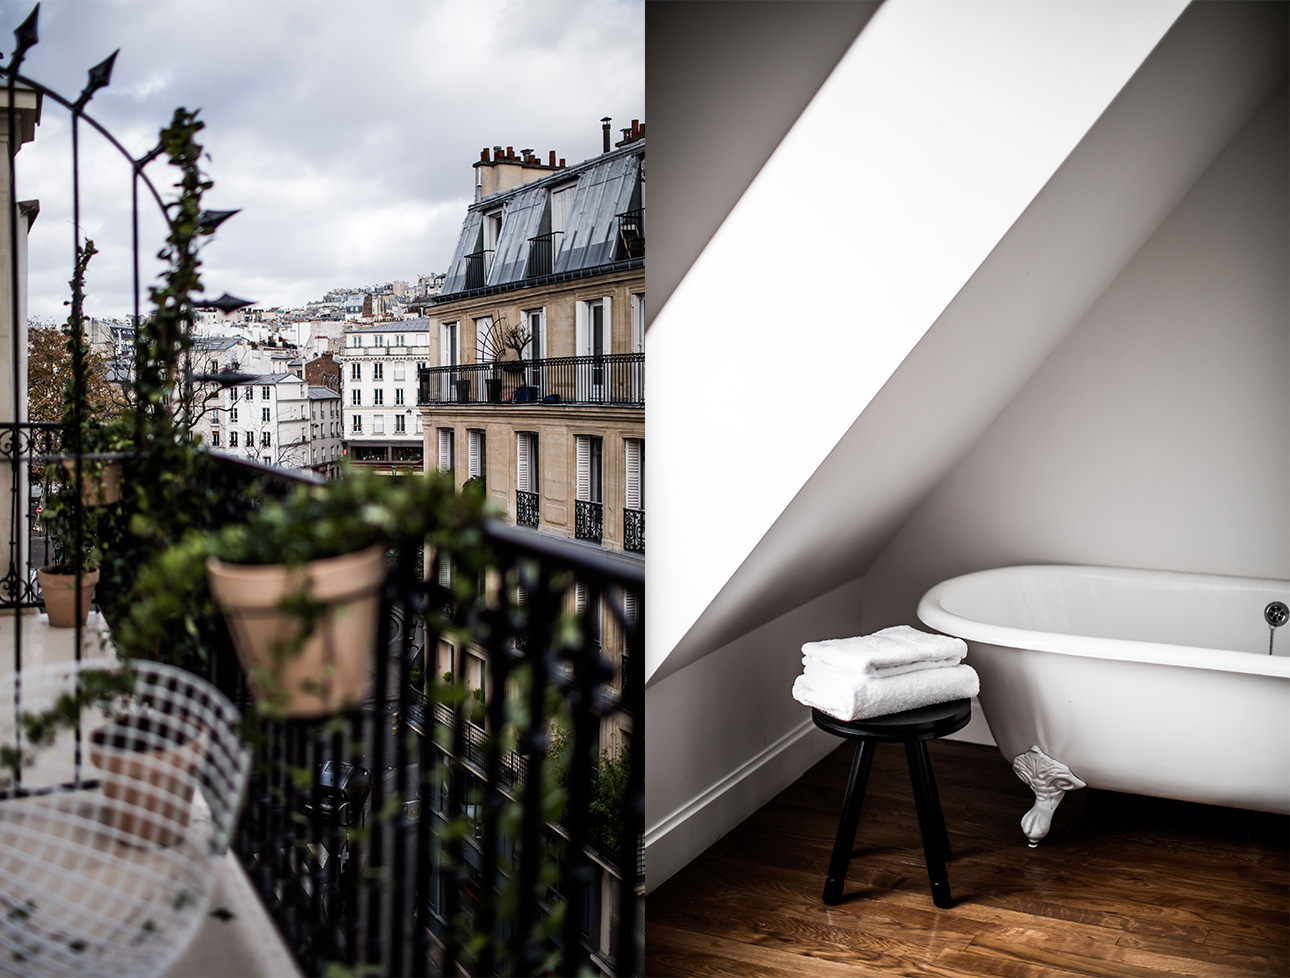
(898, 668)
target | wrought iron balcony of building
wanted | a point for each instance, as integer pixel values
(634, 530)
(477, 265)
(612, 379)
(631, 235)
(588, 520)
(527, 508)
(542, 251)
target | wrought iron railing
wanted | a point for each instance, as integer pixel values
(631, 235)
(542, 251)
(617, 378)
(588, 520)
(527, 508)
(477, 265)
(634, 530)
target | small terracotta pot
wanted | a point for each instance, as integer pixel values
(59, 594)
(148, 767)
(330, 670)
(98, 489)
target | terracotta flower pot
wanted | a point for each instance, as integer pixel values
(148, 769)
(101, 487)
(329, 670)
(59, 594)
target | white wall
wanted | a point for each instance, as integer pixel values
(1158, 433)
(934, 133)
(724, 735)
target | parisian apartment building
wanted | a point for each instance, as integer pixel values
(382, 426)
(534, 381)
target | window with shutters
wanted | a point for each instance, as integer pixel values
(400, 371)
(634, 495)
(476, 457)
(445, 449)
(526, 478)
(588, 449)
(588, 513)
(378, 424)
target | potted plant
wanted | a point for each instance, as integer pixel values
(299, 581)
(100, 478)
(73, 569)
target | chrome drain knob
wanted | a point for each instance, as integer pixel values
(1276, 614)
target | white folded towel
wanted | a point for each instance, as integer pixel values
(879, 695)
(890, 652)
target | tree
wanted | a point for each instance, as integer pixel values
(49, 369)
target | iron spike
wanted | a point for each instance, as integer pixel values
(99, 77)
(26, 36)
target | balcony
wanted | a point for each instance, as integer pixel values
(463, 818)
(613, 379)
(477, 266)
(542, 251)
(407, 895)
(588, 520)
(634, 530)
(631, 235)
(527, 508)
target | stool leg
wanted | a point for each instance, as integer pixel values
(845, 840)
(931, 821)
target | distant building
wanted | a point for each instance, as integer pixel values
(325, 443)
(378, 367)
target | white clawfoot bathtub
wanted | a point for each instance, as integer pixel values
(1152, 682)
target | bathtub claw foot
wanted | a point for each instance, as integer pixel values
(1049, 779)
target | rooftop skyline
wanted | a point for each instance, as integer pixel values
(345, 141)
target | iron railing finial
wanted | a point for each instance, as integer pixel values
(26, 35)
(99, 77)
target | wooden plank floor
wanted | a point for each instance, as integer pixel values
(1123, 885)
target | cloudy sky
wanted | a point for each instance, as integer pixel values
(344, 132)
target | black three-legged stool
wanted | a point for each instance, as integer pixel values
(913, 728)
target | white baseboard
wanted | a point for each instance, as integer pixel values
(677, 838)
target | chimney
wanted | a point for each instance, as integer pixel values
(604, 128)
(552, 163)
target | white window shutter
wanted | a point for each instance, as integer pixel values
(581, 339)
(445, 449)
(523, 461)
(638, 323)
(583, 488)
(633, 481)
(473, 454)
(606, 325)
(579, 598)
(630, 607)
